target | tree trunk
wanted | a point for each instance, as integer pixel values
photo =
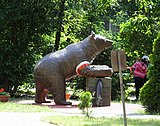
(59, 24)
(57, 41)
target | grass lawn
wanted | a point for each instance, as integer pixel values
(83, 121)
(13, 106)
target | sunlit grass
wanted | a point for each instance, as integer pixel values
(14, 106)
(83, 121)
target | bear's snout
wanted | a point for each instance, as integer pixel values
(109, 43)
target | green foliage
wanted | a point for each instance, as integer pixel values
(115, 93)
(28, 32)
(127, 6)
(150, 96)
(4, 93)
(137, 35)
(138, 32)
(85, 102)
(27, 89)
(22, 25)
(129, 91)
(150, 93)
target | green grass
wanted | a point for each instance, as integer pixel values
(83, 121)
(14, 106)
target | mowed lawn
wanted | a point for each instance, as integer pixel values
(84, 121)
(13, 106)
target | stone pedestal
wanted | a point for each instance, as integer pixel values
(106, 89)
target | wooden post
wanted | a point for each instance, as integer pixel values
(121, 87)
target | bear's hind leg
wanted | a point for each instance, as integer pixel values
(41, 94)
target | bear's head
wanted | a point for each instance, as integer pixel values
(100, 42)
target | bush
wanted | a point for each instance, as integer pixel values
(150, 93)
(115, 89)
(150, 96)
(85, 102)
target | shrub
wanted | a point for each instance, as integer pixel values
(150, 93)
(85, 102)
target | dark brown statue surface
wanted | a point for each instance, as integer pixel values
(52, 71)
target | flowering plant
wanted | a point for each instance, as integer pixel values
(2, 92)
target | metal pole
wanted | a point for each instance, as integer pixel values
(121, 87)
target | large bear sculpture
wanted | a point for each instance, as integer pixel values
(52, 71)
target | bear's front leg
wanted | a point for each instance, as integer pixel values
(86, 70)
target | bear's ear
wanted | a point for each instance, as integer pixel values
(93, 35)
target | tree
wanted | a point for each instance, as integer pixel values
(60, 16)
(138, 21)
(22, 25)
(150, 93)
(137, 36)
(78, 18)
(138, 32)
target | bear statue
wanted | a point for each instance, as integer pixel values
(52, 71)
